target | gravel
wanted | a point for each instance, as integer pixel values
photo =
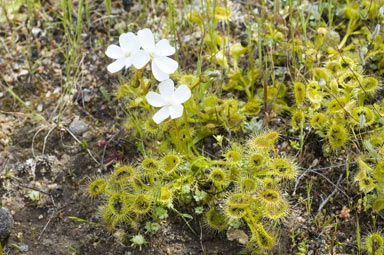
(6, 223)
(78, 127)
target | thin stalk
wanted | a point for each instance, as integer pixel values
(259, 45)
(178, 136)
(330, 13)
(351, 26)
(249, 214)
(292, 34)
(358, 236)
(183, 217)
(274, 151)
(172, 22)
(301, 138)
(189, 135)
(108, 9)
(217, 162)
(15, 96)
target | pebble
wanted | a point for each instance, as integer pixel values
(57, 90)
(24, 248)
(36, 31)
(78, 127)
(6, 223)
(40, 108)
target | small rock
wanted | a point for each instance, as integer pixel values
(23, 72)
(78, 127)
(238, 235)
(57, 90)
(24, 248)
(6, 223)
(36, 31)
(119, 235)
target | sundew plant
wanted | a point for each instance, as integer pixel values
(192, 127)
(239, 188)
(213, 132)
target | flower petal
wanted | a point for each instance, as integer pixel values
(182, 93)
(128, 62)
(176, 111)
(117, 65)
(140, 58)
(163, 48)
(166, 65)
(159, 75)
(167, 89)
(114, 51)
(146, 39)
(161, 115)
(129, 42)
(155, 99)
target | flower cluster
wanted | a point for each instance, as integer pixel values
(130, 53)
(138, 50)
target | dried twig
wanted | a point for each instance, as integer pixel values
(46, 225)
(45, 193)
(77, 140)
(316, 170)
(201, 238)
(331, 195)
(106, 144)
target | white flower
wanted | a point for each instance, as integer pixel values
(162, 66)
(169, 99)
(127, 54)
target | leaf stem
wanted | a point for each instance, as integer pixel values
(178, 136)
(189, 135)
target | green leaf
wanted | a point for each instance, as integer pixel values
(77, 219)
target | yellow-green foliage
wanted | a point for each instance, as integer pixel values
(298, 119)
(319, 121)
(97, 186)
(263, 238)
(216, 220)
(299, 89)
(337, 135)
(284, 168)
(374, 243)
(321, 79)
(243, 186)
(339, 91)
(370, 175)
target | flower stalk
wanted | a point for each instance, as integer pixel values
(181, 148)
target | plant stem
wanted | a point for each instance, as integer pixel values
(217, 162)
(189, 135)
(178, 136)
(274, 151)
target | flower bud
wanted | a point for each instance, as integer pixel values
(375, 32)
(381, 11)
